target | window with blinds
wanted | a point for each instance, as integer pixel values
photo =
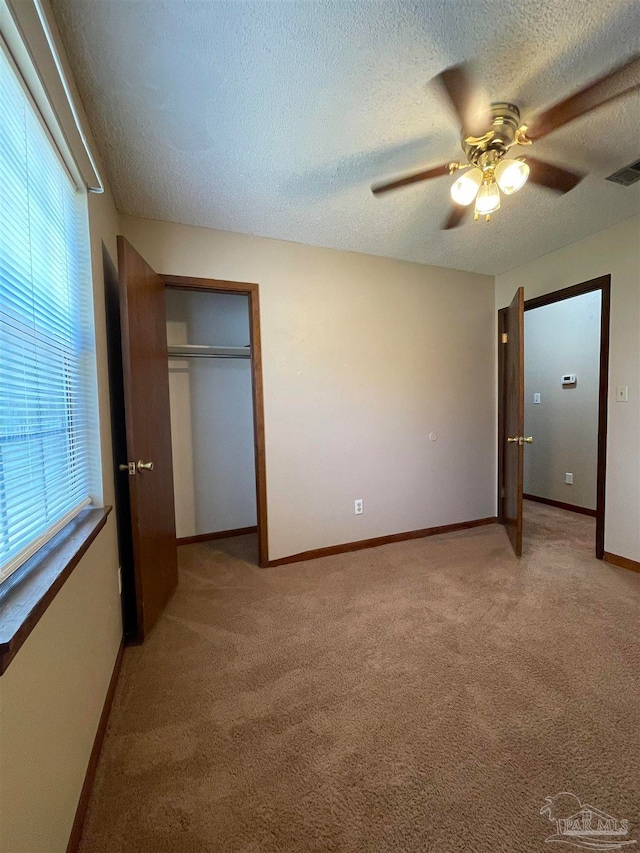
(46, 333)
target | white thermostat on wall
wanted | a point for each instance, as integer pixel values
(569, 379)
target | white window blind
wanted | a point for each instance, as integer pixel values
(46, 335)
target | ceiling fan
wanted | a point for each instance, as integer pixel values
(489, 131)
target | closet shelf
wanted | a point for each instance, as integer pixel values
(199, 351)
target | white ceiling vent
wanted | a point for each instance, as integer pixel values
(626, 176)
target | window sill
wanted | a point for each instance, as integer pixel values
(26, 594)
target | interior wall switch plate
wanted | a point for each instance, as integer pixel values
(622, 394)
(568, 478)
(536, 399)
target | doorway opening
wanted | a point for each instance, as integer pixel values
(562, 387)
(140, 393)
(215, 388)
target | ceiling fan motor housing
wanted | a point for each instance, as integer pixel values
(500, 136)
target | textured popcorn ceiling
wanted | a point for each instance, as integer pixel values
(273, 118)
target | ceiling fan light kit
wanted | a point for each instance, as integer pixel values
(497, 128)
(491, 170)
(484, 185)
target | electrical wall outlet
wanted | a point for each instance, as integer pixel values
(568, 478)
(359, 506)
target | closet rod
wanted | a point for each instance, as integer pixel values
(204, 355)
(199, 351)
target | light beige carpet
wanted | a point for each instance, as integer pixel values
(421, 696)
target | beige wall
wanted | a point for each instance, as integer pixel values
(53, 692)
(363, 358)
(560, 338)
(615, 250)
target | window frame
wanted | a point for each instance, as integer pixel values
(87, 372)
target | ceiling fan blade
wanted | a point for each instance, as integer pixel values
(413, 178)
(467, 99)
(615, 84)
(553, 177)
(456, 215)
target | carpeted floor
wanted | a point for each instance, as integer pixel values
(421, 696)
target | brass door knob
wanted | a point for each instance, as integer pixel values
(528, 440)
(145, 466)
(513, 440)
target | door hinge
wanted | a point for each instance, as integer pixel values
(505, 337)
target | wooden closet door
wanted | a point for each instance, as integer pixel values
(514, 420)
(148, 427)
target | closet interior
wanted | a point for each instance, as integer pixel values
(212, 431)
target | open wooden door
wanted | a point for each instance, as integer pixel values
(149, 466)
(513, 431)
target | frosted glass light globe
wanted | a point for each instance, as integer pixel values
(511, 175)
(465, 189)
(488, 199)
